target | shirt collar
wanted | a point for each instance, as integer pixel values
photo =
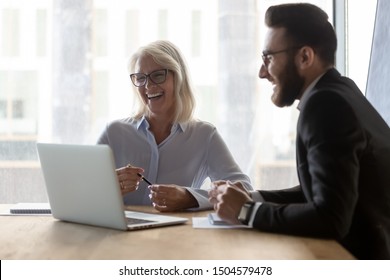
(306, 94)
(183, 126)
(143, 123)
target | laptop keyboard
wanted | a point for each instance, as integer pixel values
(133, 221)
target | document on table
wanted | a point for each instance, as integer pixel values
(204, 222)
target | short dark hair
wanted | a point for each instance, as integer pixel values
(305, 25)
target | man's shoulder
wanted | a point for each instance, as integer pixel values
(333, 81)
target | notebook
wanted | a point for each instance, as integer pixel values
(30, 209)
(82, 187)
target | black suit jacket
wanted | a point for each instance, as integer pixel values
(343, 165)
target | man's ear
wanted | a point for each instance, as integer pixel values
(305, 57)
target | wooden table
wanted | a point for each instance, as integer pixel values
(43, 237)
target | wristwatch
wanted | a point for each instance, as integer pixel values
(245, 212)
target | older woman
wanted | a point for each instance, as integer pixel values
(163, 142)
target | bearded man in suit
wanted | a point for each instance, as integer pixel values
(342, 144)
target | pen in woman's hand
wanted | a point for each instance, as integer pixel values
(140, 175)
(143, 178)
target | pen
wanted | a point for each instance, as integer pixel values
(140, 175)
(143, 178)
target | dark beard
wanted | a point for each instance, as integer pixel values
(290, 85)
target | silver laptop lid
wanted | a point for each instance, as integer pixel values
(81, 184)
(83, 187)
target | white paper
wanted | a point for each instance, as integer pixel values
(203, 222)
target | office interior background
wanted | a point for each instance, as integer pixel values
(63, 76)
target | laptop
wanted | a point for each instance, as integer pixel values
(82, 187)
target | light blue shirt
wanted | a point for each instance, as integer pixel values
(191, 153)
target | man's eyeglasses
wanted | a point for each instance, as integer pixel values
(157, 77)
(267, 55)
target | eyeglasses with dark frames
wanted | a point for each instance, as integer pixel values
(157, 77)
(267, 55)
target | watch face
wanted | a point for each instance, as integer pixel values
(244, 213)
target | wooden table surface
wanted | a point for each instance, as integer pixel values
(43, 237)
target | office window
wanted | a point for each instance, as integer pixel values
(18, 106)
(3, 109)
(196, 33)
(99, 29)
(10, 32)
(206, 95)
(100, 95)
(63, 92)
(18, 109)
(41, 31)
(132, 30)
(358, 49)
(162, 24)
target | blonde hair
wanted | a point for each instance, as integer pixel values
(168, 56)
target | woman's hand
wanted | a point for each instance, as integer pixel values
(167, 198)
(128, 178)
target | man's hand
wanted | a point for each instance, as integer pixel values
(228, 200)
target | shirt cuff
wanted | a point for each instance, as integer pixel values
(256, 196)
(201, 197)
